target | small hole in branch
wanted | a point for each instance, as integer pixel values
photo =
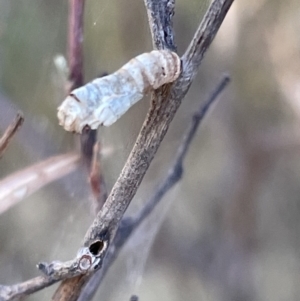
(96, 247)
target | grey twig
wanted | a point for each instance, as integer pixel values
(203, 37)
(160, 15)
(19, 185)
(25, 288)
(10, 132)
(129, 225)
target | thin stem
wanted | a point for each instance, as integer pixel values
(75, 45)
(10, 132)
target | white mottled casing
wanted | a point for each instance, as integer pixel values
(104, 100)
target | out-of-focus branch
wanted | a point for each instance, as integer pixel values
(21, 290)
(21, 184)
(30, 138)
(10, 132)
(75, 40)
(97, 180)
(129, 225)
(134, 298)
(75, 62)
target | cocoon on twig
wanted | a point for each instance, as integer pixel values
(104, 100)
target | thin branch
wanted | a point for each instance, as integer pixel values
(88, 139)
(70, 289)
(10, 132)
(160, 15)
(202, 39)
(75, 43)
(25, 288)
(32, 140)
(96, 179)
(21, 184)
(129, 225)
(75, 62)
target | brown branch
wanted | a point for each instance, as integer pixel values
(75, 45)
(129, 225)
(10, 132)
(75, 61)
(70, 289)
(96, 179)
(23, 183)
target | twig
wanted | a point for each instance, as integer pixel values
(96, 179)
(129, 225)
(10, 132)
(75, 61)
(160, 14)
(21, 184)
(25, 288)
(75, 46)
(88, 139)
(70, 289)
(203, 38)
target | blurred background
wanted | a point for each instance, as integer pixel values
(230, 230)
